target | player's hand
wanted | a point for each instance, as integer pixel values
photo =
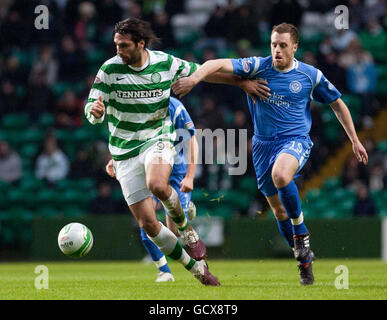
(186, 185)
(183, 86)
(110, 169)
(256, 87)
(360, 152)
(97, 108)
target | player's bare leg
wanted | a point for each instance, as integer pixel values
(167, 242)
(172, 226)
(157, 180)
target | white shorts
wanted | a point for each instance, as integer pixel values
(131, 173)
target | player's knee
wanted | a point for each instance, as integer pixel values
(158, 188)
(149, 226)
(281, 179)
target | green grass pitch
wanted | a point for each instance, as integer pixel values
(240, 279)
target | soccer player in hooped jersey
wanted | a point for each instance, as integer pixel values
(181, 179)
(281, 143)
(132, 91)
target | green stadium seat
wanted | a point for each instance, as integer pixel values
(15, 121)
(3, 201)
(345, 207)
(330, 212)
(73, 212)
(4, 135)
(15, 196)
(8, 234)
(64, 135)
(312, 195)
(70, 196)
(320, 205)
(311, 42)
(236, 199)
(48, 197)
(82, 135)
(223, 211)
(21, 214)
(381, 88)
(28, 151)
(354, 104)
(200, 195)
(117, 194)
(47, 212)
(332, 132)
(86, 184)
(341, 194)
(375, 44)
(4, 215)
(265, 37)
(46, 120)
(332, 183)
(60, 87)
(248, 185)
(202, 210)
(382, 146)
(4, 186)
(31, 185)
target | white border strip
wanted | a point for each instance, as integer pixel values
(384, 239)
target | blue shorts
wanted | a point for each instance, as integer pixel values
(266, 151)
(185, 198)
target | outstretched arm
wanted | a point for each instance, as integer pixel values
(221, 71)
(184, 85)
(344, 116)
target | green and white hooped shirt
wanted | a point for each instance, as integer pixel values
(137, 101)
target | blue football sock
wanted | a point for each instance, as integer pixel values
(155, 253)
(291, 201)
(286, 230)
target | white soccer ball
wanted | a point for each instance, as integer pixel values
(75, 240)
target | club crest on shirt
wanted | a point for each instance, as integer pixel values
(330, 85)
(295, 86)
(246, 65)
(156, 77)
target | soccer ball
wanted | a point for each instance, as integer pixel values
(75, 240)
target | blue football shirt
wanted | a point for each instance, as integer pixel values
(287, 111)
(185, 129)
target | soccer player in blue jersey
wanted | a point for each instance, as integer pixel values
(181, 179)
(281, 143)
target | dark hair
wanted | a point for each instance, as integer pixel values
(287, 28)
(137, 29)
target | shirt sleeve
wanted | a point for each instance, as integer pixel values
(181, 68)
(100, 87)
(324, 91)
(246, 67)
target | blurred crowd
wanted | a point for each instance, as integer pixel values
(51, 71)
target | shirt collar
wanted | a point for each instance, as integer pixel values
(294, 66)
